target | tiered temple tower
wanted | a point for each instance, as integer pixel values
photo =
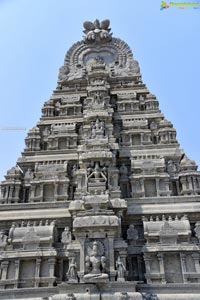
(102, 204)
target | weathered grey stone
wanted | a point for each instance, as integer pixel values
(105, 164)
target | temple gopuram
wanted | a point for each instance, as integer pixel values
(103, 204)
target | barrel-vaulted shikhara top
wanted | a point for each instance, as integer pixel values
(102, 204)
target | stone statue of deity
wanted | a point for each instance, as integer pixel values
(121, 270)
(72, 271)
(96, 174)
(3, 239)
(132, 234)
(66, 236)
(95, 263)
(97, 129)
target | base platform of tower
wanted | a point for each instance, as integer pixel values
(102, 204)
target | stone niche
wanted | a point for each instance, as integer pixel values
(35, 266)
(148, 178)
(50, 182)
(169, 254)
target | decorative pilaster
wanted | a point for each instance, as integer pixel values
(147, 259)
(161, 266)
(17, 265)
(37, 271)
(183, 266)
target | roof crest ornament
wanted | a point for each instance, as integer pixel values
(97, 32)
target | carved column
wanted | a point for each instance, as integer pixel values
(41, 192)
(37, 271)
(17, 189)
(55, 191)
(32, 192)
(189, 179)
(82, 258)
(147, 259)
(111, 258)
(119, 214)
(51, 267)
(183, 266)
(161, 265)
(10, 194)
(4, 268)
(195, 257)
(184, 185)
(17, 263)
(158, 186)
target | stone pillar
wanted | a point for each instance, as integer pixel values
(17, 263)
(190, 184)
(183, 266)
(196, 257)
(11, 193)
(37, 271)
(51, 267)
(32, 192)
(55, 191)
(82, 258)
(142, 187)
(158, 186)
(161, 265)
(4, 268)
(119, 214)
(147, 259)
(7, 192)
(41, 192)
(17, 189)
(65, 190)
(112, 258)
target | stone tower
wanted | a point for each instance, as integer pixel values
(102, 204)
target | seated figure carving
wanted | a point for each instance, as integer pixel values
(95, 262)
(96, 174)
(97, 129)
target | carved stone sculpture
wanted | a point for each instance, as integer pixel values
(132, 234)
(66, 236)
(96, 174)
(124, 296)
(97, 129)
(3, 239)
(121, 270)
(72, 271)
(95, 263)
(197, 230)
(97, 32)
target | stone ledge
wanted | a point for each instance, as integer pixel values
(30, 214)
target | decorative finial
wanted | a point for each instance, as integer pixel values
(97, 32)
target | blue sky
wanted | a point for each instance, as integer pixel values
(35, 35)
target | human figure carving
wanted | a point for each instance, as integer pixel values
(28, 174)
(95, 263)
(123, 172)
(66, 236)
(120, 269)
(132, 233)
(72, 271)
(96, 174)
(3, 239)
(171, 167)
(97, 129)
